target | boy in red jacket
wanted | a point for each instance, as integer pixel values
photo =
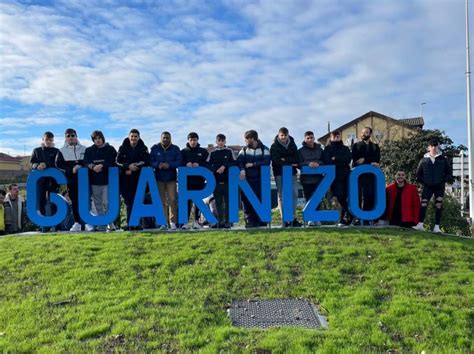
(403, 202)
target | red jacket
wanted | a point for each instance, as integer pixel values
(410, 202)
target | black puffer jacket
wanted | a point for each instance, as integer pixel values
(336, 153)
(128, 155)
(104, 155)
(432, 174)
(221, 157)
(309, 154)
(44, 154)
(370, 152)
(195, 155)
(283, 156)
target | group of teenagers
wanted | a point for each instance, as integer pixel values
(404, 207)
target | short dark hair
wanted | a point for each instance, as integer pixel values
(193, 135)
(251, 134)
(12, 185)
(283, 130)
(134, 131)
(97, 134)
(370, 129)
(48, 135)
(308, 133)
(2, 192)
(220, 137)
(166, 133)
(433, 142)
(336, 132)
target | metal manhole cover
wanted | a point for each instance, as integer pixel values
(273, 313)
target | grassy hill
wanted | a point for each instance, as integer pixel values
(381, 290)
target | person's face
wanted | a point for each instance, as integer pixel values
(336, 137)
(433, 149)
(71, 138)
(133, 137)
(48, 142)
(14, 191)
(98, 141)
(165, 139)
(250, 141)
(282, 136)
(366, 134)
(220, 143)
(400, 177)
(309, 139)
(193, 142)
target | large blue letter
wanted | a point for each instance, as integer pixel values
(263, 208)
(32, 202)
(379, 201)
(287, 193)
(140, 209)
(113, 198)
(309, 212)
(195, 196)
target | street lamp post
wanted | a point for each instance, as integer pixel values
(422, 104)
(469, 119)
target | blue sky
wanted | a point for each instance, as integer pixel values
(225, 67)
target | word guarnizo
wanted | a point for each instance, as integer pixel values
(147, 183)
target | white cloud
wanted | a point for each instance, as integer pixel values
(180, 67)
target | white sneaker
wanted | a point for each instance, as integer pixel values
(419, 227)
(436, 229)
(163, 227)
(111, 227)
(196, 225)
(173, 226)
(89, 228)
(76, 227)
(185, 227)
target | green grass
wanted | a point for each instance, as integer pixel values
(380, 289)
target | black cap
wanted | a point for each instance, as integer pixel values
(70, 131)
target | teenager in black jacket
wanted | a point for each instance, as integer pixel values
(193, 155)
(433, 172)
(132, 157)
(284, 152)
(219, 162)
(310, 155)
(98, 158)
(336, 153)
(44, 157)
(366, 152)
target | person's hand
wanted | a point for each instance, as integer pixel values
(133, 167)
(313, 164)
(189, 164)
(76, 168)
(376, 164)
(98, 168)
(128, 172)
(41, 166)
(242, 175)
(221, 170)
(195, 164)
(249, 164)
(360, 161)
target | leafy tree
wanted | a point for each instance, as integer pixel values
(406, 153)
